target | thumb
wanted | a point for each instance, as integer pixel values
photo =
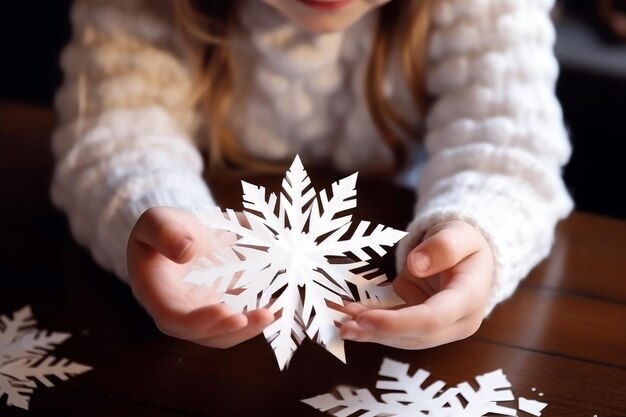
(442, 250)
(161, 229)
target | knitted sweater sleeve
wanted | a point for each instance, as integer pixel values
(123, 140)
(496, 141)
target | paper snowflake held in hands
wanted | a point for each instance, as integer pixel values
(406, 396)
(297, 256)
(23, 359)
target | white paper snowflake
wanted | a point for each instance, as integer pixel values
(298, 256)
(23, 359)
(406, 396)
(533, 407)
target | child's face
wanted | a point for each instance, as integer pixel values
(324, 15)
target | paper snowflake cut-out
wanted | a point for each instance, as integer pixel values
(301, 256)
(24, 360)
(406, 396)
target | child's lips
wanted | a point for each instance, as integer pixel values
(326, 5)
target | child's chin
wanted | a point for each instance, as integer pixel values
(326, 24)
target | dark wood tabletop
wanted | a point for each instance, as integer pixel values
(563, 333)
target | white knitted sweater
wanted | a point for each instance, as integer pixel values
(495, 137)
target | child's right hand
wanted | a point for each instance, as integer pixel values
(161, 247)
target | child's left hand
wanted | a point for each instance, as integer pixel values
(446, 284)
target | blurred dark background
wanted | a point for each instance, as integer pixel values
(32, 33)
(591, 48)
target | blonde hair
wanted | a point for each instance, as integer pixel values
(402, 27)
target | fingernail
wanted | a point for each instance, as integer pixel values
(420, 261)
(183, 246)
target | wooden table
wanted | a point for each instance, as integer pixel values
(562, 333)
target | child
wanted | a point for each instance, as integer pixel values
(345, 83)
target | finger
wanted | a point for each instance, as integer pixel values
(230, 324)
(258, 319)
(165, 234)
(198, 323)
(459, 330)
(175, 316)
(257, 322)
(437, 312)
(353, 309)
(444, 249)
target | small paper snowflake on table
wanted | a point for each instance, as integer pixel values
(298, 254)
(23, 359)
(406, 396)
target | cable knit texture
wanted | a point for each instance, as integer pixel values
(495, 138)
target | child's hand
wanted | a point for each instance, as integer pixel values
(161, 247)
(445, 283)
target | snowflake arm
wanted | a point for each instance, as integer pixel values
(23, 360)
(220, 272)
(18, 392)
(297, 194)
(406, 388)
(321, 320)
(254, 201)
(24, 369)
(372, 291)
(285, 334)
(360, 239)
(493, 388)
(9, 328)
(32, 343)
(326, 215)
(257, 234)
